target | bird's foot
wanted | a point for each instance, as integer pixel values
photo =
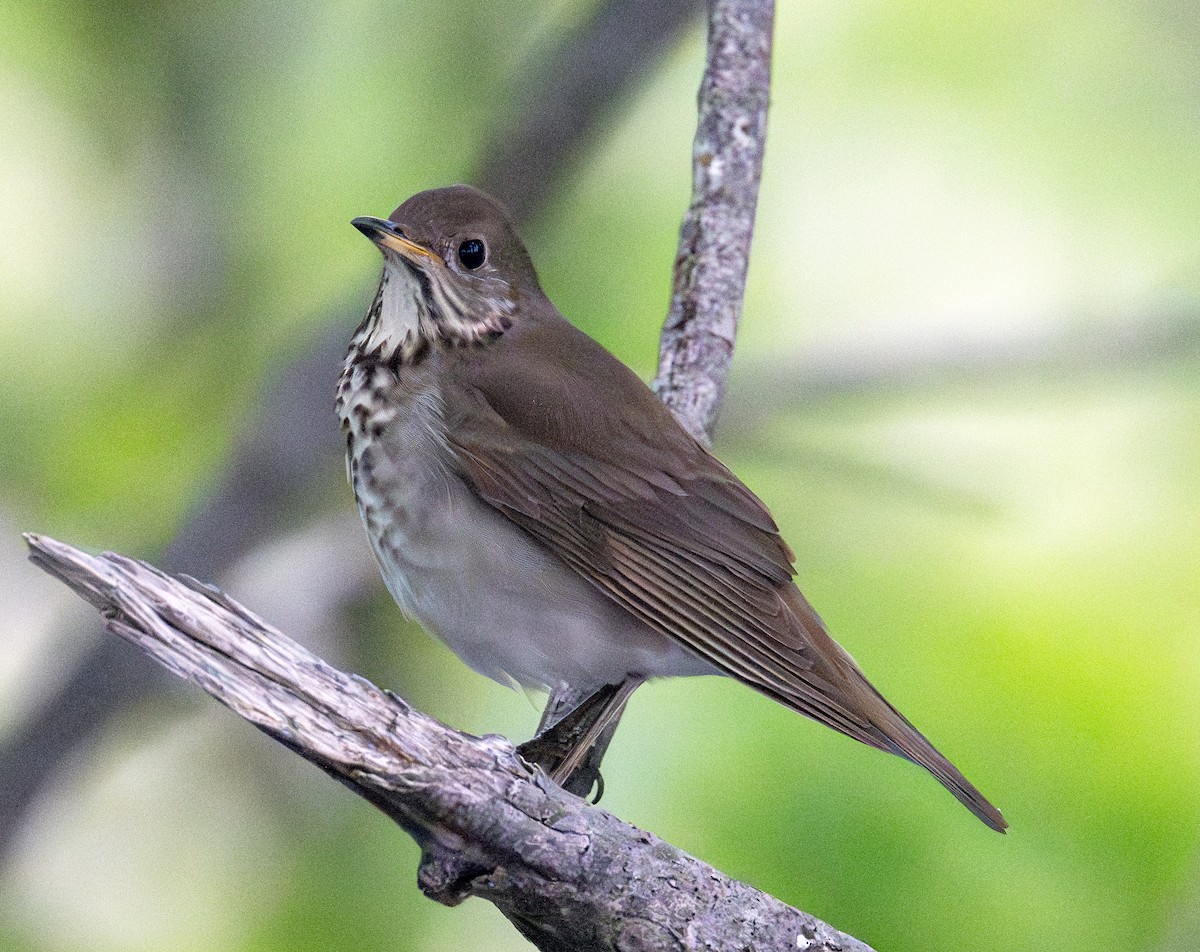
(562, 750)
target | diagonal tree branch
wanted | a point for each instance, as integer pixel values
(570, 877)
(578, 88)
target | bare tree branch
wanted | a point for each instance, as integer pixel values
(714, 243)
(570, 877)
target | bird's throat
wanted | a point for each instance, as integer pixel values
(399, 327)
(416, 309)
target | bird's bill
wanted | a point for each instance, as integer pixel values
(387, 234)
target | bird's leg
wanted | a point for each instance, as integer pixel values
(569, 747)
(608, 713)
(567, 717)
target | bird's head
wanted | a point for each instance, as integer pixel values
(455, 270)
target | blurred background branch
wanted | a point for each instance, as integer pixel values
(293, 439)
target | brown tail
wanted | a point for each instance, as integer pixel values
(900, 737)
(861, 712)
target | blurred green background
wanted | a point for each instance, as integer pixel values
(967, 385)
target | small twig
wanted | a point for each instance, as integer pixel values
(568, 875)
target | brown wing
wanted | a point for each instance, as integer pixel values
(568, 443)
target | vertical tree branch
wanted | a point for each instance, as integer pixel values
(714, 243)
(714, 253)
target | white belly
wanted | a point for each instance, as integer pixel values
(504, 604)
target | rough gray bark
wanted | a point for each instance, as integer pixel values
(569, 876)
(714, 243)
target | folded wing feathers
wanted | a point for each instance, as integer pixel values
(666, 531)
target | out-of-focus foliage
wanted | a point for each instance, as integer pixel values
(1010, 546)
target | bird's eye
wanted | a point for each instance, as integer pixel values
(472, 253)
